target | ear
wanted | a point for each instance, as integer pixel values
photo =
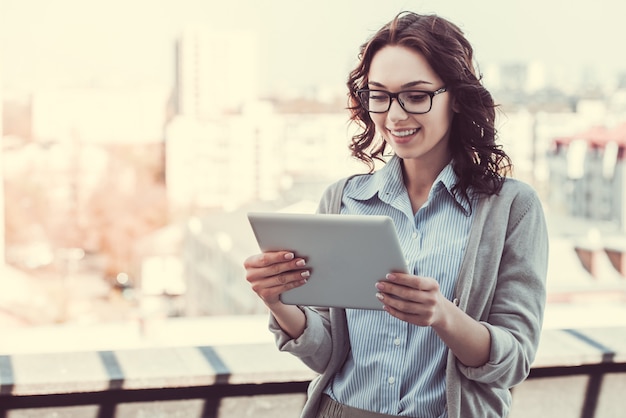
(455, 106)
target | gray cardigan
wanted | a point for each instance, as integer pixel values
(501, 283)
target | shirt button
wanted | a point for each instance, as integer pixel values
(391, 380)
(414, 235)
(397, 341)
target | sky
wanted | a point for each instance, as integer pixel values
(302, 43)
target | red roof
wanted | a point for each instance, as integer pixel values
(598, 136)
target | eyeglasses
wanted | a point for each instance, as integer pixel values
(412, 101)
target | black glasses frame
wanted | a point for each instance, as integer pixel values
(363, 101)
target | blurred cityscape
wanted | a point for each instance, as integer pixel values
(125, 204)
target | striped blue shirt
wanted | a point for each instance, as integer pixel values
(394, 367)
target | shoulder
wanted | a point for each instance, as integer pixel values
(512, 191)
(515, 201)
(358, 182)
(347, 184)
(514, 187)
(331, 198)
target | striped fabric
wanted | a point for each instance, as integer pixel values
(394, 367)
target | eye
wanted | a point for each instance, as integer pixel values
(414, 97)
(377, 96)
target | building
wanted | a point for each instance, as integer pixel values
(218, 142)
(2, 220)
(254, 155)
(317, 146)
(588, 175)
(221, 164)
(215, 72)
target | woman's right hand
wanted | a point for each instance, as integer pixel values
(272, 273)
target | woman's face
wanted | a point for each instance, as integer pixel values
(422, 137)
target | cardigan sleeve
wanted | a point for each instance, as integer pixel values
(515, 315)
(313, 347)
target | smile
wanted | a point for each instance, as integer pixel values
(406, 132)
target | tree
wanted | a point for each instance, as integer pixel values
(128, 203)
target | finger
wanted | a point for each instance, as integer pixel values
(416, 319)
(269, 289)
(291, 276)
(400, 303)
(397, 291)
(416, 313)
(415, 282)
(274, 268)
(279, 272)
(268, 258)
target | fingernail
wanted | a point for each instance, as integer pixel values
(380, 286)
(289, 256)
(380, 296)
(305, 274)
(300, 263)
(390, 276)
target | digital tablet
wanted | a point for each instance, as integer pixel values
(346, 254)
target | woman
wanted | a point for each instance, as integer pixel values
(463, 328)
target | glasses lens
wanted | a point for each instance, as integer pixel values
(415, 101)
(375, 101)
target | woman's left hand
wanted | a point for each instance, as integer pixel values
(417, 300)
(413, 299)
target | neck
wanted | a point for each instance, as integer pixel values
(419, 177)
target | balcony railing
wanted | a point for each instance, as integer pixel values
(577, 373)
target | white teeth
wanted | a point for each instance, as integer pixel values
(404, 133)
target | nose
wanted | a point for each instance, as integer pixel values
(396, 112)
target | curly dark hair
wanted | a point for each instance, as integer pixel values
(478, 162)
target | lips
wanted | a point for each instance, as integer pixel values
(402, 136)
(403, 133)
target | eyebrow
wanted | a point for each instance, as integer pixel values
(404, 86)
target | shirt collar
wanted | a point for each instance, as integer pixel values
(448, 179)
(387, 183)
